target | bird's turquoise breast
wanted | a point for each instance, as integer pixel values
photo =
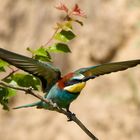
(61, 97)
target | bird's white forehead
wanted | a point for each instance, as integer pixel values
(78, 76)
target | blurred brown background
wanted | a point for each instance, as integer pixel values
(110, 105)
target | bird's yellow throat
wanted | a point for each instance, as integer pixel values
(75, 87)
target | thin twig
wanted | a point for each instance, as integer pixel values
(11, 73)
(84, 128)
(70, 115)
(52, 37)
(73, 118)
(67, 17)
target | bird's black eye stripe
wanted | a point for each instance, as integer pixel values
(72, 82)
(88, 78)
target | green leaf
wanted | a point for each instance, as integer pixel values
(30, 50)
(64, 36)
(67, 26)
(2, 65)
(11, 93)
(59, 47)
(26, 80)
(2, 69)
(41, 54)
(5, 95)
(79, 22)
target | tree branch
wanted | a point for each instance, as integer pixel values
(70, 115)
(11, 73)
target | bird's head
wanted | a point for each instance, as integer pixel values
(72, 82)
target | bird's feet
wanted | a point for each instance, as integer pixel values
(70, 115)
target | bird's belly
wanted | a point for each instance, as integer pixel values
(61, 97)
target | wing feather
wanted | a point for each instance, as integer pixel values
(94, 71)
(44, 70)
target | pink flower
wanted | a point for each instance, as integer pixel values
(74, 11)
(62, 7)
(77, 11)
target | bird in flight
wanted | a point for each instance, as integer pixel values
(60, 90)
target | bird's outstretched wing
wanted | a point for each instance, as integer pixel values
(94, 71)
(44, 71)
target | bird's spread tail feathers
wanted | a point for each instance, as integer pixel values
(28, 105)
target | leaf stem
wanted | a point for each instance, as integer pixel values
(11, 73)
(52, 37)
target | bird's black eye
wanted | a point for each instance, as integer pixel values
(72, 82)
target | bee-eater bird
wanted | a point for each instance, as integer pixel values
(61, 90)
